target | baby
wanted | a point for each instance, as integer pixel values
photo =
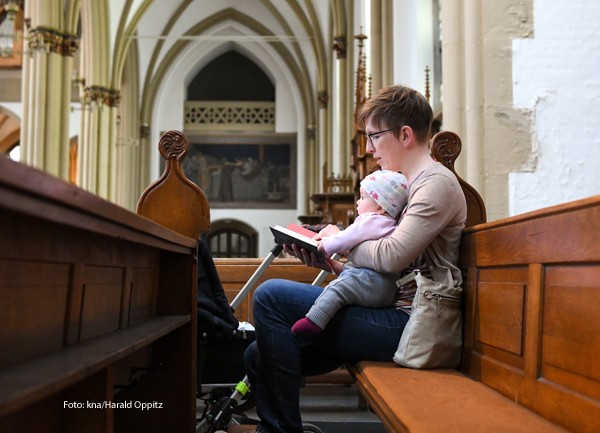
(383, 195)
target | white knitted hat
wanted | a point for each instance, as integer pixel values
(388, 188)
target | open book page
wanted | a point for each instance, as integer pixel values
(286, 236)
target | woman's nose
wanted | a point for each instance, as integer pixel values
(370, 147)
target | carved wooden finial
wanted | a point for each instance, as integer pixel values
(173, 144)
(445, 148)
(173, 200)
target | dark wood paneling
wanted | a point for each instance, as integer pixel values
(571, 328)
(30, 192)
(45, 416)
(32, 309)
(94, 389)
(142, 295)
(27, 383)
(102, 292)
(71, 266)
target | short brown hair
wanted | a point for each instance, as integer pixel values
(398, 106)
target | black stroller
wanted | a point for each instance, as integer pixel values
(221, 345)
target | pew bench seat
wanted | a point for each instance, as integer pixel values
(418, 401)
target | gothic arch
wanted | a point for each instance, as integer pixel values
(301, 79)
(10, 129)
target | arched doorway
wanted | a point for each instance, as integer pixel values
(231, 239)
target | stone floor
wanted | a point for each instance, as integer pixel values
(335, 408)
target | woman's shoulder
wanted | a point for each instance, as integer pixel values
(440, 187)
(440, 176)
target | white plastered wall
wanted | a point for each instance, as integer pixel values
(556, 74)
(289, 118)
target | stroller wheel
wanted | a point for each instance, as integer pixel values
(310, 428)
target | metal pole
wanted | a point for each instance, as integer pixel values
(255, 277)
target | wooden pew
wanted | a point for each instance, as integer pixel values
(234, 273)
(531, 327)
(97, 304)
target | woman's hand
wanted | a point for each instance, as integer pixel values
(330, 230)
(310, 259)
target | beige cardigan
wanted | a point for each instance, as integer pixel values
(432, 226)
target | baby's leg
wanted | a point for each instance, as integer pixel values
(354, 286)
(328, 302)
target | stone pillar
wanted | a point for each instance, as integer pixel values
(474, 131)
(387, 44)
(322, 103)
(98, 154)
(453, 74)
(340, 47)
(127, 143)
(46, 98)
(376, 46)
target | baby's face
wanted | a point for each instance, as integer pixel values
(366, 203)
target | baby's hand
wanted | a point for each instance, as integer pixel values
(321, 248)
(330, 230)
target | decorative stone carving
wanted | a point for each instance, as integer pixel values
(229, 115)
(110, 97)
(322, 99)
(144, 131)
(310, 132)
(339, 46)
(69, 46)
(43, 38)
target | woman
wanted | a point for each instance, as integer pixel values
(397, 123)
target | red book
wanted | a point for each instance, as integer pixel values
(301, 230)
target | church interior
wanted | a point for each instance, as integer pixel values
(129, 128)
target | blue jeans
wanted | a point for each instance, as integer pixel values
(277, 360)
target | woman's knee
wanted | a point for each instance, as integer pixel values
(268, 292)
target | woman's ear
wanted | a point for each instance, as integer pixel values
(406, 135)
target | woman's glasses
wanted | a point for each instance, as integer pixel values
(373, 134)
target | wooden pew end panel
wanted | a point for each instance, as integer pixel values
(173, 201)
